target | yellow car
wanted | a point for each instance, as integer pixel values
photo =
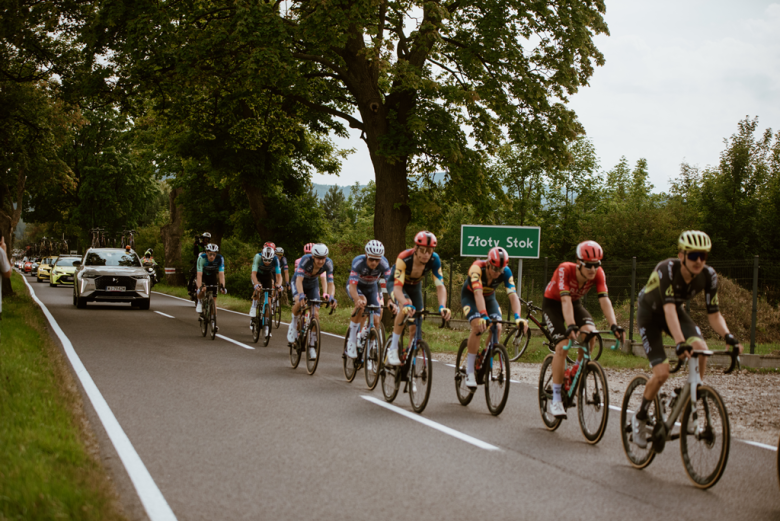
(63, 271)
(44, 269)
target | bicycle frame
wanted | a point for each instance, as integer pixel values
(487, 353)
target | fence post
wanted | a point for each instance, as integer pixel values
(449, 292)
(755, 307)
(631, 309)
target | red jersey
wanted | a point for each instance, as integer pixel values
(564, 283)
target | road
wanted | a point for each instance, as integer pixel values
(231, 432)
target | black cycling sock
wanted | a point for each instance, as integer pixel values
(642, 413)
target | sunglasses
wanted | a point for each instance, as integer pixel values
(693, 256)
(424, 250)
(494, 268)
(592, 265)
(373, 259)
(320, 258)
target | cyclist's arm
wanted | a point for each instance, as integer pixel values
(199, 279)
(278, 279)
(353, 292)
(568, 310)
(514, 301)
(331, 289)
(608, 310)
(286, 276)
(479, 298)
(222, 278)
(673, 323)
(299, 285)
(254, 279)
(398, 293)
(718, 323)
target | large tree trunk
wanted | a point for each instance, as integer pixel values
(9, 218)
(392, 212)
(171, 235)
(257, 206)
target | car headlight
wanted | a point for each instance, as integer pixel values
(89, 275)
(141, 277)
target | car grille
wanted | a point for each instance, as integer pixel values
(105, 281)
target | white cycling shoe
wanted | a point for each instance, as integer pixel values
(471, 381)
(639, 431)
(392, 357)
(291, 334)
(198, 307)
(312, 353)
(253, 312)
(557, 409)
(351, 349)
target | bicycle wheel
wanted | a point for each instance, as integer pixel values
(516, 342)
(598, 346)
(497, 380)
(593, 402)
(373, 357)
(420, 373)
(778, 461)
(277, 320)
(389, 374)
(204, 324)
(464, 393)
(637, 456)
(266, 326)
(313, 332)
(295, 354)
(546, 394)
(350, 364)
(213, 319)
(705, 438)
(255, 329)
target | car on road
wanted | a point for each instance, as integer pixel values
(111, 275)
(44, 268)
(63, 270)
(28, 266)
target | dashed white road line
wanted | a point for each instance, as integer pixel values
(223, 337)
(164, 314)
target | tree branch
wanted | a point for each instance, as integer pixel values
(353, 122)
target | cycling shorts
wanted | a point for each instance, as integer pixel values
(553, 317)
(311, 288)
(470, 310)
(652, 326)
(370, 291)
(210, 279)
(266, 279)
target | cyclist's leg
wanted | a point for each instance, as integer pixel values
(693, 337)
(415, 294)
(471, 313)
(584, 321)
(357, 312)
(556, 326)
(292, 331)
(373, 298)
(651, 328)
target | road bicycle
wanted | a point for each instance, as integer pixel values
(276, 311)
(516, 340)
(128, 239)
(98, 237)
(694, 413)
(584, 386)
(308, 332)
(369, 349)
(208, 313)
(260, 323)
(416, 365)
(491, 370)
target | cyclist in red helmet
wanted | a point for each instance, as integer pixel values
(478, 299)
(409, 270)
(323, 280)
(562, 307)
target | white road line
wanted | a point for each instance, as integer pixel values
(757, 444)
(164, 314)
(223, 337)
(438, 426)
(154, 502)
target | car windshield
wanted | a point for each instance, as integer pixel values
(112, 258)
(66, 262)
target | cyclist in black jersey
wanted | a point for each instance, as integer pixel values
(661, 310)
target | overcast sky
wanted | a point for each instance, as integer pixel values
(679, 75)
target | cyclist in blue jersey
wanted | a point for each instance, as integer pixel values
(305, 286)
(283, 266)
(210, 272)
(368, 272)
(409, 270)
(265, 274)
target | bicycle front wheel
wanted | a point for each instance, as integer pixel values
(546, 395)
(255, 329)
(497, 380)
(598, 346)
(312, 341)
(266, 330)
(705, 438)
(632, 400)
(464, 393)
(349, 363)
(204, 324)
(213, 317)
(593, 402)
(277, 313)
(420, 376)
(516, 343)
(389, 374)
(295, 354)
(373, 356)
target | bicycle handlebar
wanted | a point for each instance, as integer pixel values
(584, 343)
(422, 314)
(497, 321)
(734, 354)
(367, 310)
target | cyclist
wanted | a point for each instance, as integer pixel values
(323, 279)
(661, 310)
(564, 313)
(211, 269)
(409, 269)
(283, 266)
(265, 274)
(362, 288)
(305, 286)
(148, 259)
(201, 240)
(478, 299)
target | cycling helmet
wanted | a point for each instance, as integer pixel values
(425, 238)
(150, 251)
(269, 244)
(307, 248)
(319, 250)
(206, 235)
(589, 251)
(374, 249)
(693, 240)
(212, 247)
(268, 253)
(498, 257)
(128, 248)
(280, 250)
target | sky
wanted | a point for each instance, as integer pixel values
(679, 76)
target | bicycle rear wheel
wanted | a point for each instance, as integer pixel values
(705, 438)
(213, 317)
(349, 363)
(373, 358)
(516, 342)
(497, 380)
(546, 395)
(593, 402)
(464, 394)
(312, 332)
(637, 456)
(389, 373)
(420, 373)
(277, 313)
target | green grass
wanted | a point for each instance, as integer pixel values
(46, 471)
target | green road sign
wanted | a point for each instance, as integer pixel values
(521, 242)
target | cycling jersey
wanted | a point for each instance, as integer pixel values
(404, 265)
(259, 266)
(667, 286)
(564, 283)
(282, 262)
(361, 274)
(211, 267)
(477, 279)
(305, 269)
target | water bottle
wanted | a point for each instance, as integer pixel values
(567, 379)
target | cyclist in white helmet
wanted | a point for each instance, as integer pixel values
(265, 274)
(210, 271)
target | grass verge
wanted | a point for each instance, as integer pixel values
(49, 463)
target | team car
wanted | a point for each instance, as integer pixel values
(44, 268)
(63, 270)
(111, 275)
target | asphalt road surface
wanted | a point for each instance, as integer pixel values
(231, 431)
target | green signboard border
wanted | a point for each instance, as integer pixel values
(539, 250)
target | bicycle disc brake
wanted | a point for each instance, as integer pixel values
(659, 437)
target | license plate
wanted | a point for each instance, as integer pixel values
(67, 279)
(115, 288)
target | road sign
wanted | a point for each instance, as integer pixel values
(521, 242)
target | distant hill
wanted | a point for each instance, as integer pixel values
(323, 189)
